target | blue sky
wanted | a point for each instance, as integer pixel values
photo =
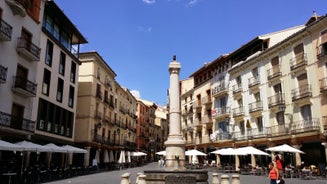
(138, 38)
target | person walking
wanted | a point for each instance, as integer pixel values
(273, 173)
(279, 165)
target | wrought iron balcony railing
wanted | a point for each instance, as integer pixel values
(24, 86)
(306, 125)
(277, 99)
(255, 106)
(5, 31)
(301, 92)
(29, 50)
(274, 72)
(3, 74)
(298, 61)
(19, 123)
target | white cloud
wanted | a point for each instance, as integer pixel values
(192, 3)
(146, 29)
(149, 1)
(136, 93)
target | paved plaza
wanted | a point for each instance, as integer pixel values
(114, 177)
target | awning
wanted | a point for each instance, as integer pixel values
(72, 149)
(29, 146)
(7, 146)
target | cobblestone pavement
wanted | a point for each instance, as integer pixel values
(114, 177)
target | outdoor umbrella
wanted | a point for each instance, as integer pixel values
(121, 159)
(161, 152)
(72, 149)
(29, 146)
(55, 148)
(128, 157)
(111, 156)
(138, 153)
(194, 152)
(249, 150)
(105, 156)
(284, 148)
(7, 146)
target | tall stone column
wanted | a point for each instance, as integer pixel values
(175, 144)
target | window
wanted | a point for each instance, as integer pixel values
(26, 40)
(60, 89)
(278, 88)
(48, 53)
(280, 118)
(306, 112)
(323, 49)
(257, 97)
(71, 96)
(98, 73)
(299, 53)
(73, 72)
(255, 72)
(259, 124)
(17, 116)
(62, 63)
(46, 82)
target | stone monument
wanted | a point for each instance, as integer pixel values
(175, 171)
(175, 144)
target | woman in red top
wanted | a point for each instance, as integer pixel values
(279, 165)
(273, 174)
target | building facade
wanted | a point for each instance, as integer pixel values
(20, 52)
(270, 91)
(106, 118)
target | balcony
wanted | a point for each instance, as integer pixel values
(219, 90)
(197, 105)
(324, 124)
(97, 115)
(256, 133)
(98, 94)
(306, 125)
(207, 101)
(221, 136)
(28, 50)
(274, 72)
(24, 87)
(303, 91)
(99, 138)
(255, 106)
(253, 81)
(207, 119)
(239, 136)
(3, 74)
(237, 88)
(5, 31)
(197, 122)
(239, 111)
(15, 122)
(276, 100)
(18, 7)
(221, 112)
(298, 62)
(323, 85)
(278, 130)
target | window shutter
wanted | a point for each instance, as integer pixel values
(324, 37)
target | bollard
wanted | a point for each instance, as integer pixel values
(142, 179)
(137, 177)
(235, 179)
(224, 179)
(215, 178)
(125, 178)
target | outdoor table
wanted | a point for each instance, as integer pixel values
(9, 176)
